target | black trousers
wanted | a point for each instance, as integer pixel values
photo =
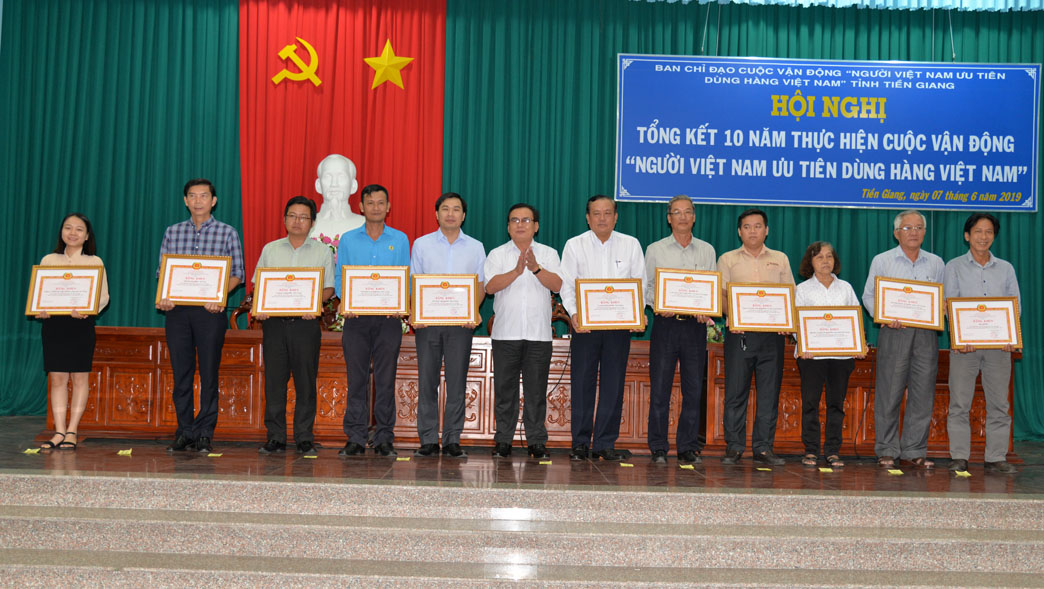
(433, 345)
(371, 340)
(192, 332)
(291, 347)
(599, 361)
(531, 360)
(759, 355)
(676, 341)
(815, 374)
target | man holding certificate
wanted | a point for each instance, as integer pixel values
(291, 342)
(598, 357)
(447, 250)
(979, 273)
(371, 339)
(754, 354)
(677, 339)
(523, 274)
(907, 357)
(198, 330)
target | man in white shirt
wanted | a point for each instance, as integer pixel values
(598, 357)
(522, 274)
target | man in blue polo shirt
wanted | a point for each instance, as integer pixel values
(371, 339)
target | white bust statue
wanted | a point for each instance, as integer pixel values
(336, 182)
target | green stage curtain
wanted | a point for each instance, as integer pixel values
(530, 116)
(108, 107)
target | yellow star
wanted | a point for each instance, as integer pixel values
(386, 66)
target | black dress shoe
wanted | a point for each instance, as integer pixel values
(427, 450)
(731, 457)
(385, 449)
(351, 449)
(958, 465)
(454, 451)
(1003, 467)
(767, 457)
(272, 447)
(611, 454)
(181, 444)
(203, 446)
(659, 457)
(579, 453)
(502, 451)
(307, 448)
(538, 451)
(689, 457)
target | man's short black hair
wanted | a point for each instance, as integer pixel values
(600, 197)
(522, 205)
(371, 188)
(749, 212)
(449, 195)
(198, 182)
(300, 200)
(976, 217)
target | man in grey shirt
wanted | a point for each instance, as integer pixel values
(677, 339)
(979, 273)
(907, 357)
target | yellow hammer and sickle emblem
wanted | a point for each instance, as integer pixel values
(307, 70)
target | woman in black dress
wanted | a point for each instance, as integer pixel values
(68, 340)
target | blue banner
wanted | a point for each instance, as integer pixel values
(890, 134)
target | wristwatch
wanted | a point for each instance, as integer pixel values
(537, 271)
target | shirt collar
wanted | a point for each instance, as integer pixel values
(441, 237)
(993, 260)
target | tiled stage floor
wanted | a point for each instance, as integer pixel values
(480, 469)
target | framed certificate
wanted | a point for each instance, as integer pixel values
(985, 323)
(830, 331)
(194, 280)
(288, 292)
(761, 307)
(444, 299)
(688, 292)
(911, 302)
(60, 290)
(375, 290)
(610, 304)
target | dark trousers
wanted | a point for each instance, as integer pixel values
(193, 331)
(531, 359)
(673, 341)
(815, 374)
(366, 340)
(433, 345)
(599, 361)
(760, 355)
(290, 347)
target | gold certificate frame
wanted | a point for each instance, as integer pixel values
(288, 292)
(755, 306)
(610, 304)
(687, 292)
(912, 303)
(60, 290)
(984, 323)
(444, 299)
(375, 290)
(831, 331)
(194, 280)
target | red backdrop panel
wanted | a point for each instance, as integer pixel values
(394, 135)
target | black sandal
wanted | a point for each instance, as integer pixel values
(809, 459)
(834, 461)
(49, 445)
(65, 445)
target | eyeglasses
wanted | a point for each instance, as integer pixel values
(291, 217)
(681, 213)
(520, 221)
(909, 228)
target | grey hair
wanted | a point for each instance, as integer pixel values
(899, 218)
(679, 198)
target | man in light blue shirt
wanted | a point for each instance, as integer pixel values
(979, 273)
(907, 357)
(371, 339)
(445, 251)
